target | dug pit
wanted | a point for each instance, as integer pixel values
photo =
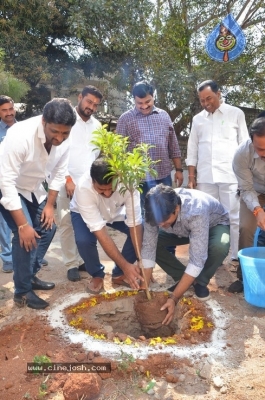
(114, 317)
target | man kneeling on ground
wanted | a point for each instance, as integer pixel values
(184, 216)
(96, 205)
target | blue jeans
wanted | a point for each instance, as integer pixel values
(27, 263)
(5, 242)
(86, 243)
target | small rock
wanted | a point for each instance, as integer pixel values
(90, 355)
(218, 382)
(49, 353)
(205, 371)
(110, 335)
(182, 378)
(141, 368)
(223, 389)
(8, 385)
(171, 378)
(80, 357)
(142, 337)
(151, 392)
(96, 353)
(85, 386)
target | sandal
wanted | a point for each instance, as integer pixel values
(95, 286)
(120, 281)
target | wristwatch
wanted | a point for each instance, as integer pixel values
(179, 169)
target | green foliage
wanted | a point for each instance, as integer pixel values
(125, 361)
(128, 168)
(41, 359)
(9, 84)
(149, 386)
(47, 42)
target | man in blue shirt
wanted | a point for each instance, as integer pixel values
(184, 216)
(7, 115)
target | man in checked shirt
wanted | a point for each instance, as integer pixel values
(146, 123)
(175, 217)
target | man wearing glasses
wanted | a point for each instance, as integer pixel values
(81, 156)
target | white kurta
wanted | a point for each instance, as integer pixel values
(213, 141)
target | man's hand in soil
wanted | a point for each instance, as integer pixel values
(170, 306)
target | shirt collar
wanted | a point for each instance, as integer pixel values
(78, 118)
(41, 133)
(155, 110)
(221, 108)
(4, 125)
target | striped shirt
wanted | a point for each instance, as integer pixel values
(155, 129)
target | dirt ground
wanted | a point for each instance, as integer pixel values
(230, 365)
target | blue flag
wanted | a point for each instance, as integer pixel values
(227, 41)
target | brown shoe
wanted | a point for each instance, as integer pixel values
(95, 286)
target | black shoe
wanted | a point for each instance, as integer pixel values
(44, 262)
(172, 288)
(202, 292)
(82, 267)
(37, 284)
(236, 287)
(30, 299)
(73, 275)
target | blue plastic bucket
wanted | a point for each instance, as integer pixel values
(252, 261)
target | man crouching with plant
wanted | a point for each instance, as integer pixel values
(175, 217)
(97, 203)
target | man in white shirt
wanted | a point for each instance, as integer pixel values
(95, 205)
(81, 155)
(215, 135)
(249, 167)
(34, 150)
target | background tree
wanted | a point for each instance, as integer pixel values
(9, 84)
(123, 42)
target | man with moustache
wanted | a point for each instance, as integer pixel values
(249, 168)
(214, 138)
(96, 205)
(147, 123)
(34, 150)
(81, 155)
(7, 115)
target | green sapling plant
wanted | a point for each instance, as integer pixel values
(126, 168)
